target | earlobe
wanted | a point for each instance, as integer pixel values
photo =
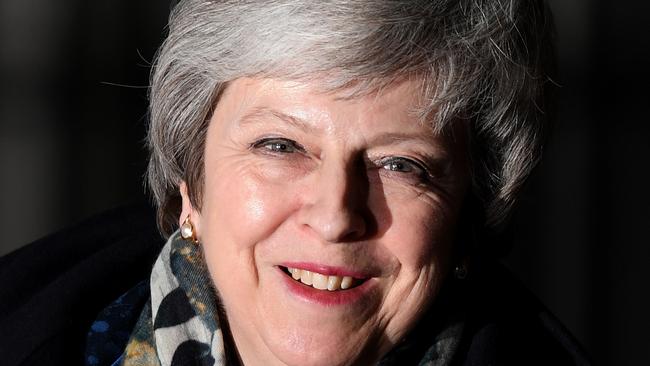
(187, 211)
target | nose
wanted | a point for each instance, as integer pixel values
(334, 204)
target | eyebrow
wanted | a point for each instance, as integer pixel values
(258, 114)
(397, 137)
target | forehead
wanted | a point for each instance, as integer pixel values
(305, 104)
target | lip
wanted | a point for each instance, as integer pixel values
(324, 297)
(327, 270)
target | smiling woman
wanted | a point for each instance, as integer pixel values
(339, 232)
(330, 177)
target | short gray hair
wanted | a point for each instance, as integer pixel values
(486, 61)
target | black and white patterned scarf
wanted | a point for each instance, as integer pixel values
(180, 324)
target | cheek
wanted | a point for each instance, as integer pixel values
(242, 207)
(412, 243)
(419, 240)
(239, 212)
(416, 226)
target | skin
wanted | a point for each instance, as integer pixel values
(346, 191)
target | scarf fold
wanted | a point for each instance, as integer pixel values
(179, 325)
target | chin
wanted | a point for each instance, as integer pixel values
(322, 350)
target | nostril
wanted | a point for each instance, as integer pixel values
(356, 229)
(343, 226)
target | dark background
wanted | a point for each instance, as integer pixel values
(71, 146)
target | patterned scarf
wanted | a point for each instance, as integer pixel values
(180, 325)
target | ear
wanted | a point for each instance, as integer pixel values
(187, 210)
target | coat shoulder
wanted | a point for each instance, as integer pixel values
(53, 289)
(507, 325)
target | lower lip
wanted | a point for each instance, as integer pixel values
(325, 297)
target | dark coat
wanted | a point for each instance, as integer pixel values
(52, 290)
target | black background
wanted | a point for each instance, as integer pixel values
(71, 145)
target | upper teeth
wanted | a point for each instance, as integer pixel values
(321, 281)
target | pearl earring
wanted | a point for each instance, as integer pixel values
(460, 272)
(187, 230)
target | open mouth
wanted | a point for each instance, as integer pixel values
(320, 281)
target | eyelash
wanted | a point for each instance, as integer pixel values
(280, 146)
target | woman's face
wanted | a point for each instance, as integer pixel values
(327, 222)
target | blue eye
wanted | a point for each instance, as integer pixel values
(277, 145)
(398, 166)
(401, 165)
(405, 166)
